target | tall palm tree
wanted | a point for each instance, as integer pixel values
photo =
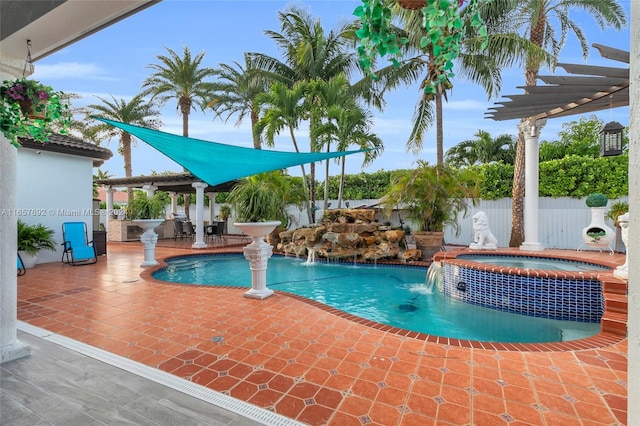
(344, 121)
(138, 111)
(479, 65)
(484, 149)
(235, 93)
(283, 109)
(547, 24)
(184, 80)
(309, 54)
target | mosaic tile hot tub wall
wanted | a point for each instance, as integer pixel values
(555, 298)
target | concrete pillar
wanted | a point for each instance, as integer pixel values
(174, 203)
(633, 322)
(150, 190)
(531, 132)
(109, 191)
(199, 186)
(212, 206)
(10, 347)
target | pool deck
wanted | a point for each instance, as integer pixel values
(316, 365)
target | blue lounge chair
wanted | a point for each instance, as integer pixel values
(78, 250)
(21, 269)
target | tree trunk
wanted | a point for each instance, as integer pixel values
(326, 179)
(185, 109)
(341, 190)
(439, 131)
(517, 195)
(257, 144)
(126, 158)
(312, 190)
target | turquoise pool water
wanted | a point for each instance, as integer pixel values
(397, 296)
(533, 262)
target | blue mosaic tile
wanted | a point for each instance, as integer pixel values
(555, 298)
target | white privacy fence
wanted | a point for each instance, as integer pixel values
(560, 220)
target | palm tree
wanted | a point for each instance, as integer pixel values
(547, 24)
(283, 109)
(345, 122)
(182, 79)
(310, 54)
(137, 111)
(482, 150)
(477, 64)
(235, 93)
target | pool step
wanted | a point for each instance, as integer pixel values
(616, 306)
(614, 287)
(616, 303)
(614, 322)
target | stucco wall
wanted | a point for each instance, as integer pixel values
(55, 188)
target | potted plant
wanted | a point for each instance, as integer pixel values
(260, 202)
(597, 234)
(32, 239)
(144, 206)
(432, 197)
(265, 197)
(225, 214)
(148, 212)
(30, 109)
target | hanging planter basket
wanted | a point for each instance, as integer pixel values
(412, 4)
(37, 111)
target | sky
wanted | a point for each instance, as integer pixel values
(114, 62)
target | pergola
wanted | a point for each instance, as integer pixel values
(174, 184)
(589, 88)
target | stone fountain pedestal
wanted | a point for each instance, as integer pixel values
(149, 239)
(258, 254)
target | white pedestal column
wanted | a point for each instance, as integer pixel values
(10, 347)
(212, 206)
(258, 254)
(174, 203)
(109, 191)
(199, 186)
(633, 248)
(531, 133)
(149, 239)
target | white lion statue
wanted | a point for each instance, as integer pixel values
(483, 239)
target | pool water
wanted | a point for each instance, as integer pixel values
(397, 296)
(533, 263)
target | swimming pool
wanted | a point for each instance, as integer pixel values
(393, 295)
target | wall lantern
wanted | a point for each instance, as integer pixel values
(611, 139)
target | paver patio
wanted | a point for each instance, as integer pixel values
(316, 365)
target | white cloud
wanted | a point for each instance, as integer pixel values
(75, 70)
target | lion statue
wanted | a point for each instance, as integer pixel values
(483, 239)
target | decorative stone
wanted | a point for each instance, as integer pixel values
(410, 255)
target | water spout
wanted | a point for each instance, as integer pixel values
(311, 257)
(433, 277)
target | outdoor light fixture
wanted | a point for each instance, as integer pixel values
(611, 139)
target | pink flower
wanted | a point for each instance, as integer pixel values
(42, 95)
(16, 92)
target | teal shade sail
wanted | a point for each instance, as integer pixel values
(217, 163)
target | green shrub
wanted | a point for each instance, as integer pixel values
(597, 200)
